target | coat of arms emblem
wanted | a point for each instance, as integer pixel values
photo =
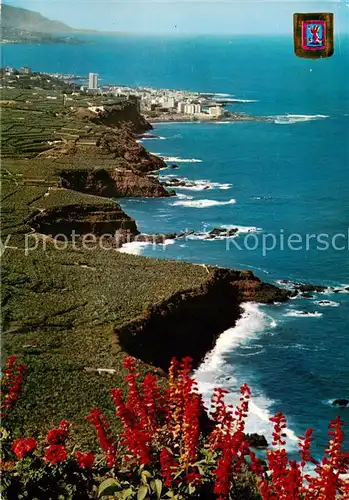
(313, 35)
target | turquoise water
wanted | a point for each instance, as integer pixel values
(271, 178)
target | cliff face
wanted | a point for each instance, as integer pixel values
(98, 220)
(189, 322)
(112, 183)
(122, 144)
(115, 115)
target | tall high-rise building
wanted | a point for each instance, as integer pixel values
(93, 81)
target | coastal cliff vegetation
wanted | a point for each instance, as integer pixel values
(165, 449)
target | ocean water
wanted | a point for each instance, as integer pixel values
(269, 179)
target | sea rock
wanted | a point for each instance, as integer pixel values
(174, 166)
(340, 402)
(221, 231)
(256, 440)
(184, 234)
(175, 182)
(252, 288)
(310, 288)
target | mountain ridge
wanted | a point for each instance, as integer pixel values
(19, 25)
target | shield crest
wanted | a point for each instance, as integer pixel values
(313, 35)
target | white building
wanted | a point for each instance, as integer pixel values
(181, 107)
(198, 108)
(93, 81)
(168, 102)
(189, 109)
(215, 111)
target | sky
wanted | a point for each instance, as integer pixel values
(185, 16)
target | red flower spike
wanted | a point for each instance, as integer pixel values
(85, 460)
(11, 384)
(101, 424)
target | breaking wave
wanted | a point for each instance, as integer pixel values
(216, 371)
(196, 185)
(175, 159)
(202, 203)
(304, 314)
(287, 119)
(137, 247)
(327, 303)
(206, 235)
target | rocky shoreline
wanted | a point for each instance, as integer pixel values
(72, 313)
(232, 117)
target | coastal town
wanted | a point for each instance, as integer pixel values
(157, 105)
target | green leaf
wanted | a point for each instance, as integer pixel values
(157, 487)
(108, 487)
(191, 489)
(145, 475)
(142, 492)
(127, 493)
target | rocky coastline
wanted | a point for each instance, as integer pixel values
(72, 312)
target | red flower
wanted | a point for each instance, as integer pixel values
(106, 442)
(193, 478)
(58, 435)
(23, 447)
(55, 453)
(11, 384)
(85, 460)
(168, 466)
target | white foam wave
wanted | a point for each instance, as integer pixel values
(175, 159)
(327, 303)
(205, 235)
(216, 371)
(157, 138)
(265, 415)
(287, 119)
(201, 185)
(196, 185)
(202, 203)
(303, 314)
(252, 321)
(134, 247)
(244, 100)
(182, 196)
(137, 247)
(244, 229)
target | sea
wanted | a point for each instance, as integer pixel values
(272, 180)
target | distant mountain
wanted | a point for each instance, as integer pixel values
(15, 18)
(26, 26)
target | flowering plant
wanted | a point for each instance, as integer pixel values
(168, 447)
